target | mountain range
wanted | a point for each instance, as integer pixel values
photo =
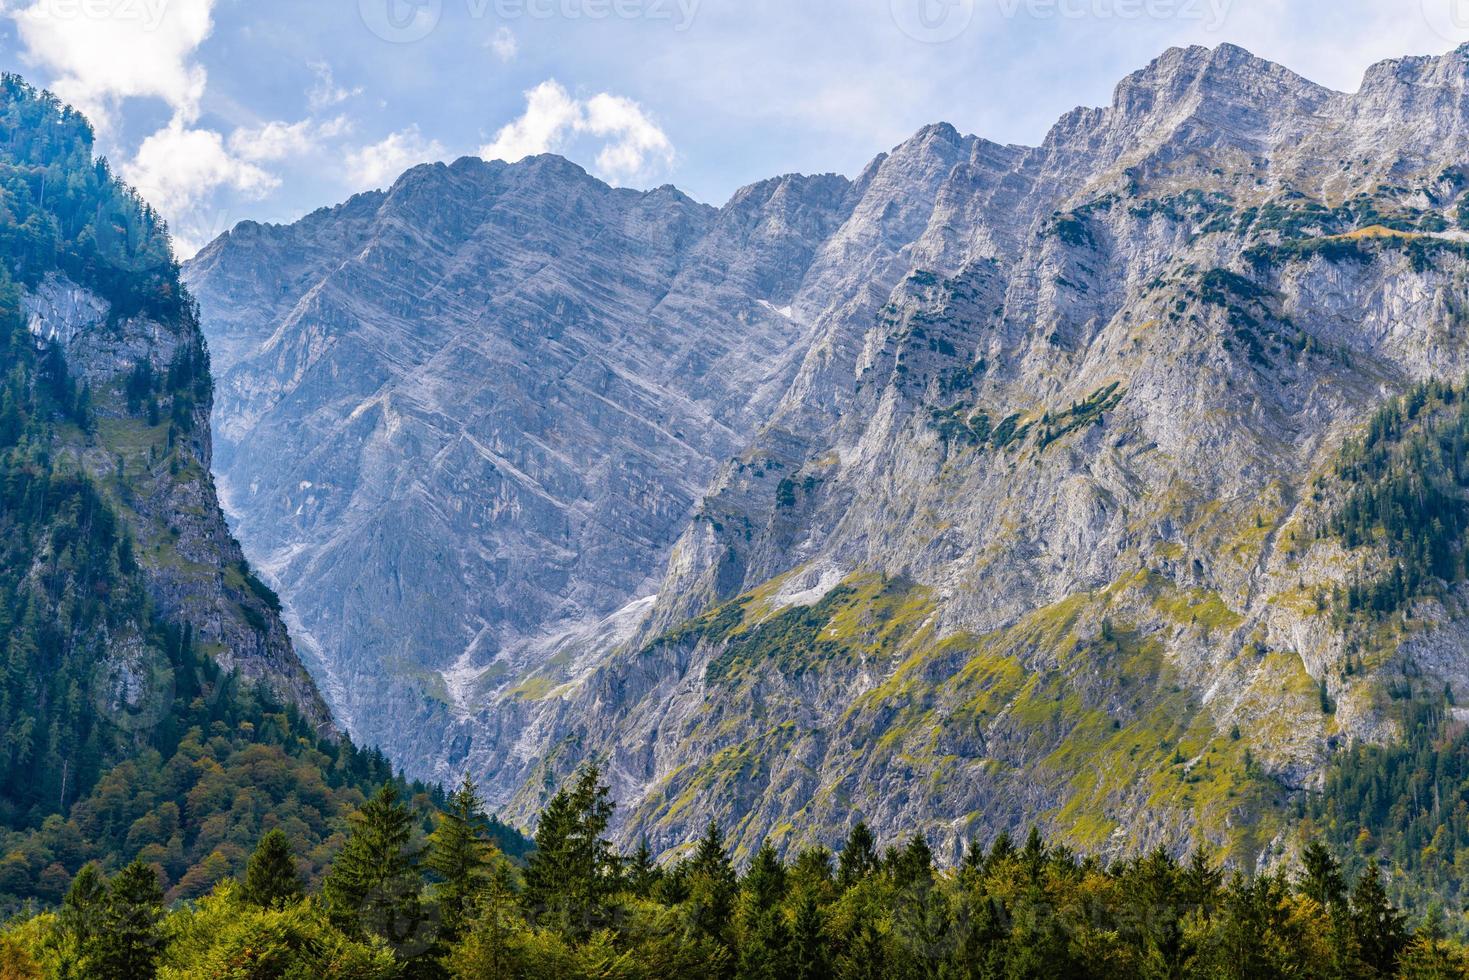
(1111, 484)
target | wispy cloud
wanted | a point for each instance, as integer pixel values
(633, 146)
(504, 44)
(378, 164)
(326, 93)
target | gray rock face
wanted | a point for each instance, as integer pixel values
(1055, 419)
(463, 420)
(195, 570)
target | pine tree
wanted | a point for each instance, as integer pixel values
(271, 880)
(571, 875)
(1321, 878)
(1377, 928)
(642, 873)
(459, 853)
(713, 886)
(129, 937)
(372, 887)
(810, 949)
(858, 858)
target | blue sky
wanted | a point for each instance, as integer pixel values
(222, 110)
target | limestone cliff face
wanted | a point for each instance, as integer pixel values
(985, 488)
(163, 489)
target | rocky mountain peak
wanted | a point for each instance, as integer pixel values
(992, 450)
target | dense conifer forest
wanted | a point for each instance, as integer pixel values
(397, 902)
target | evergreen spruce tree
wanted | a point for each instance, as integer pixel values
(810, 948)
(80, 918)
(765, 936)
(858, 858)
(271, 880)
(912, 867)
(459, 853)
(1199, 884)
(372, 887)
(571, 875)
(1001, 851)
(765, 884)
(642, 873)
(1033, 854)
(811, 872)
(129, 937)
(972, 865)
(1377, 928)
(713, 885)
(1321, 878)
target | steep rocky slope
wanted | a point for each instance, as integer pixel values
(463, 420)
(151, 705)
(1030, 518)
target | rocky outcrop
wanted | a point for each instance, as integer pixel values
(156, 473)
(1026, 456)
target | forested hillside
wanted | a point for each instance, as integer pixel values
(127, 730)
(398, 903)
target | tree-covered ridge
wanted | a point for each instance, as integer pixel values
(397, 903)
(1402, 505)
(1407, 478)
(62, 210)
(121, 737)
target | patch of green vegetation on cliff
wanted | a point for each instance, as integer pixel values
(1406, 801)
(1090, 709)
(865, 614)
(1407, 495)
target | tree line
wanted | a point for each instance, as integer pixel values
(448, 904)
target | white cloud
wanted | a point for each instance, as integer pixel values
(178, 167)
(632, 147)
(504, 44)
(551, 116)
(275, 140)
(636, 140)
(326, 93)
(278, 140)
(380, 163)
(100, 54)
